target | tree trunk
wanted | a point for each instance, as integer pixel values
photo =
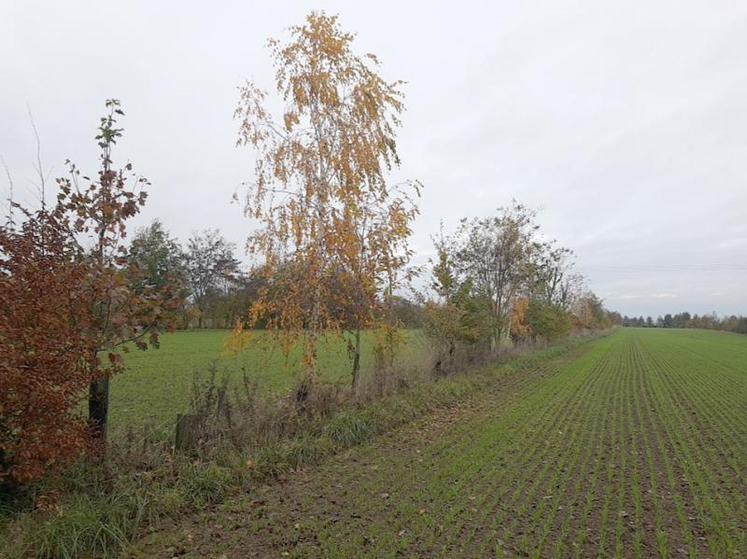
(311, 364)
(357, 363)
(98, 408)
(313, 335)
(505, 336)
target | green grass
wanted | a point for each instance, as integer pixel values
(634, 445)
(157, 383)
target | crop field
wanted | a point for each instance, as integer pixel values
(157, 383)
(633, 445)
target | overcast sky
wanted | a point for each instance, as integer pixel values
(624, 123)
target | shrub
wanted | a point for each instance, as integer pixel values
(548, 322)
(45, 358)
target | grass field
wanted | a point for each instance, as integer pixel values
(157, 383)
(634, 445)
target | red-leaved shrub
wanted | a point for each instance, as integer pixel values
(44, 351)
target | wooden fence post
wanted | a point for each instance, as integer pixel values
(187, 432)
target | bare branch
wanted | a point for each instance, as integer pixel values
(9, 218)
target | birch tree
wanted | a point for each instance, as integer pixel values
(320, 189)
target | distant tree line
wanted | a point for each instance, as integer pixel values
(731, 323)
(214, 290)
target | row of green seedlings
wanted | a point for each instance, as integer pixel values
(688, 398)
